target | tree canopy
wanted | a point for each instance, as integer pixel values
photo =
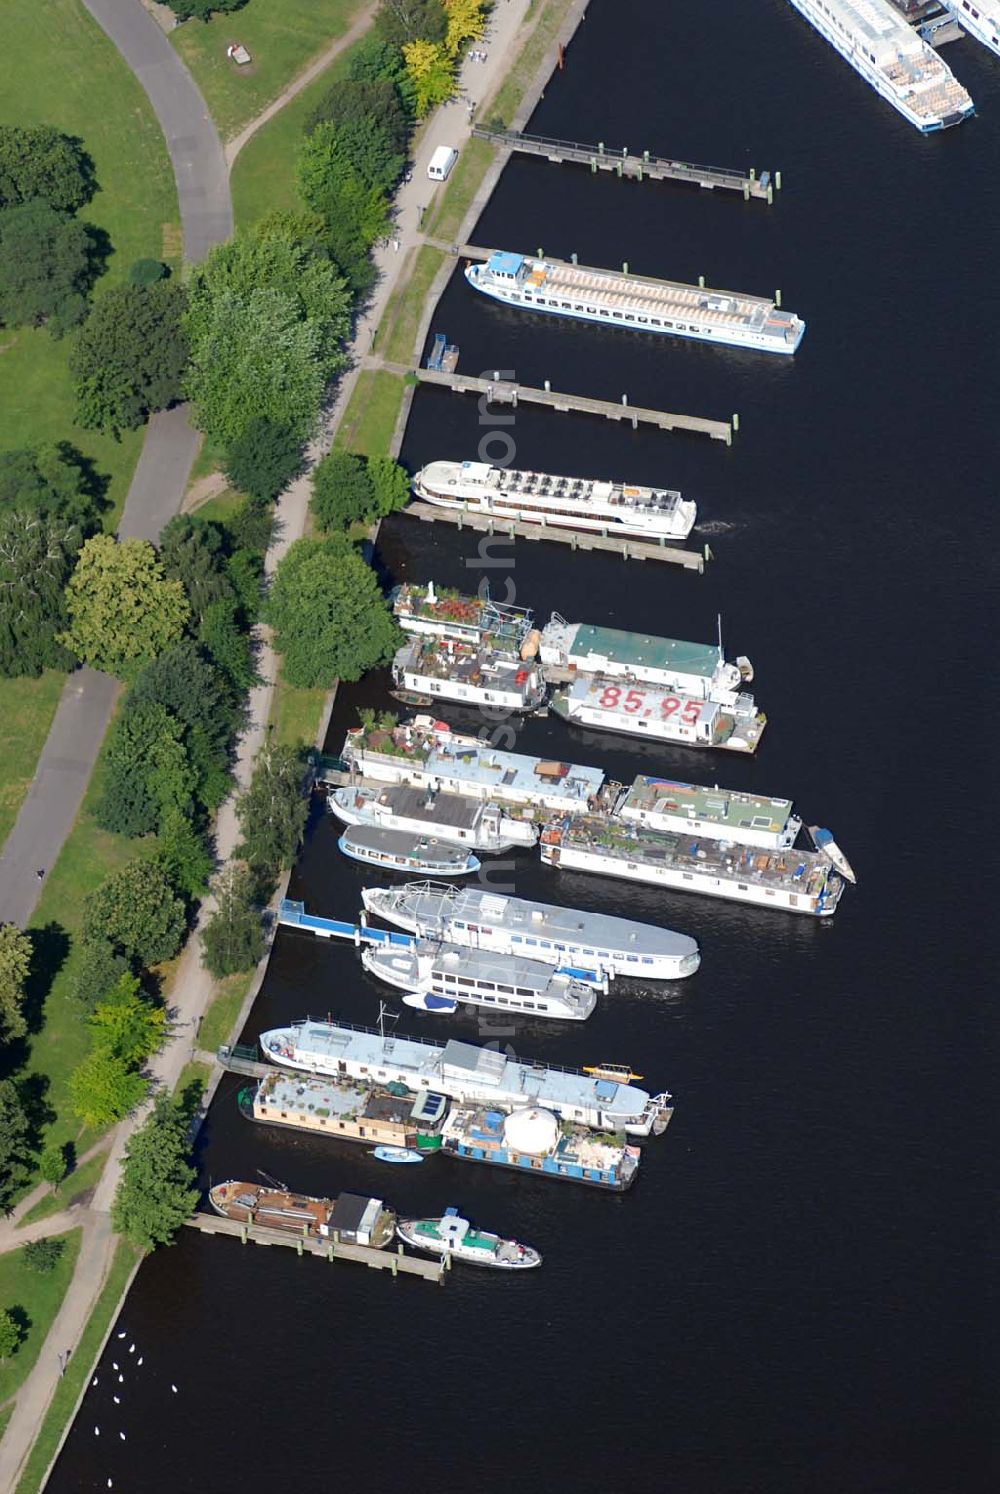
(36, 556)
(122, 609)
(330, 619)
(52, 480)
(130, 355)
(342, 490)
(103, 1089)
(355, 213)
(15, 1143)
(202, 10)
(126, 1025)
(39, 161)
(137, 911)
(233, 939)
(273, 811)
(15, 965)
(371, 127)
(193, 552)
(401, 21)
(148, 772)
(97, 969)
(264, 458)
(156, 1193)
(48, 262)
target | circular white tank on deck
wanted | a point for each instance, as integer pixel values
(531, 1131)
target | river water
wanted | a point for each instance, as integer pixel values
(794, 1294)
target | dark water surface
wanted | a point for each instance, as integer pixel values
(794, 1295)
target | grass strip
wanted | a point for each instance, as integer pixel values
(220, 1018)
(37, 1296)
(81, 1181)
(26, 710)
(397, 332)
(80, 1366)
(370, 419)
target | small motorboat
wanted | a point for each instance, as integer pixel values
(426, 1001)
(398, 850)
(396, 1154)
(828, 847)
(453, 1236)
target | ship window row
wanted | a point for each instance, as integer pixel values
(618, 316)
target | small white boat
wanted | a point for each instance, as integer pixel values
(828, 847)
(396, 1154)
(451, 1235)
(398, 850)
(426, 1001)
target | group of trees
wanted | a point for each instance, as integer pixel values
(48, 258)
(49, 503)
(329, 617)
(130, 356)
(349, 489)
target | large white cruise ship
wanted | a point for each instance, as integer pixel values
(880, 45)
(637, 303)
(567, 502)
(981, 19)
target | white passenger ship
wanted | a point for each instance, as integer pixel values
(981, 19)
(565, 502)
(661, 715)
(637, 303)
(481, 919)
(451, 975)
(879, 44)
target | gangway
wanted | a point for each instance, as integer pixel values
(293, 915)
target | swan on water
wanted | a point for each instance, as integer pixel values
(116, 1400)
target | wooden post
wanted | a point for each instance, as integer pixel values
(701, 281)
(736, 420)
(562, 56)
(777, 181)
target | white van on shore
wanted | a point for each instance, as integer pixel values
(441, 162)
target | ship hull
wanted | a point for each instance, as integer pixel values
(751, 341)
(414, 860)
(452, 834)
(575, 858)
(927, 125)
(599, 523)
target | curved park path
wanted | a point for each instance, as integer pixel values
(81, 719)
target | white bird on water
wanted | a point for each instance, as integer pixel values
(116, 1400)
(122, 1334)
(174, 1389)
(113, 1365)
(138, 1361)
(97, 1431)
(121, 1379)
(94, 1380)
(131, 1348)
(122, 1436)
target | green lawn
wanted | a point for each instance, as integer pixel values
(372, 411)
(37, 1295)
(263, 177)
(26, 710)
(80, 1182)
(282, 38)
(397, 332)
(78, 1370)
(88, 857)
(136, 205)
(218, 1022)
(222, 507)
(295, 713)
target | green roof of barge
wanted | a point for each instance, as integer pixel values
(640, 648)
(698, 801)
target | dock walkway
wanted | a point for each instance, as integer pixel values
(505, 392)
(393, 1261)
(644, 167)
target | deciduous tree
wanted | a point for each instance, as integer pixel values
(264, 459)
(15, 1143)
(126, 1025)
(122, 609)
(48, 262)
(390, 485)
(233, 939)
(342, 491)
(43, 1255)
(15, 966)
(465, 23)
(400, 21)
(98, 968)
(184, 855)
(130, 355)
(36, 556)
(193, 552)
(39, 161)
(103, 1089)
(138, 912)
(53, 480)
(431, 73)
(330, 619)
(273, 811)
(52, 1166)
(148, 771)
(354, 212)
(156, 1193)
(11, 1334)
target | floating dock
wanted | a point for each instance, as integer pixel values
(625, 163)
(576, 539)
(393, 1261)
(506, 392)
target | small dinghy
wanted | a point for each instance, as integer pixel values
(396, 1154)
(451, 1235)
(828, 847)
(400, 851)
(426, 1001)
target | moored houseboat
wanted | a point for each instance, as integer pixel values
(349, 1217)
(661, 715)
(710, 813)
(457, 818)
(349, 1109)
(440, 612)
(533, 1141)
(425, 670)
(698, 670)
(399, 850)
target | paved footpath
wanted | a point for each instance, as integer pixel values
(158, 486)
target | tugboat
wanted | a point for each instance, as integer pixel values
(360, 1221)
(453, 1236)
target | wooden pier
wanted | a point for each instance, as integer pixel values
(644, 167)
(505, 392)
(393, 1261)
(576, 539)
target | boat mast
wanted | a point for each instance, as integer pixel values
(718, 619)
